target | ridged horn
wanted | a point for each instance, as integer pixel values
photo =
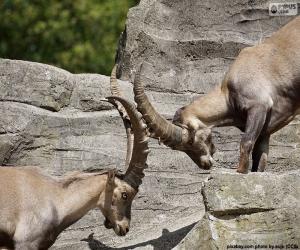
(114, 86)
(115, 91)
(169, 134)
(135, 170)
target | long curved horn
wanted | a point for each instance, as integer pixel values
(168, 133)
(115, 91)
(135, 170)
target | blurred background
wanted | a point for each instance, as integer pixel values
(76, 35)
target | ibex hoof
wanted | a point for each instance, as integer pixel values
(242, 170)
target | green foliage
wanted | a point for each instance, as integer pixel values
(77, 35)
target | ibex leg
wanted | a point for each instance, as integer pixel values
(260, 154)
(256, 117)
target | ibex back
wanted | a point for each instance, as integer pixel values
(259, 94)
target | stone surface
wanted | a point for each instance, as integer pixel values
(256, 211)
(35, 84)
(55, 119)
(187, 45)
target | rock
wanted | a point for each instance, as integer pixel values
(187, 45)
(55, 119)
(6, 145)
(44, 118)
(36, 84)
(248, 210)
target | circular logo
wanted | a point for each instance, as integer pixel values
(273, 9)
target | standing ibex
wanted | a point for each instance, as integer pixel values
(259, 95)
(36, 208)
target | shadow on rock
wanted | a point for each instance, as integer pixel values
(166, 241)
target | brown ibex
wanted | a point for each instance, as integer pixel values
(260, 94)
(36, 208)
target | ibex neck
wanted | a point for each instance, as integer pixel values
(211, 109)
(81, 196)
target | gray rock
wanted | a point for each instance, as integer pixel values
(35, 84)
(248, 210)
(188, 45)
(55, 119)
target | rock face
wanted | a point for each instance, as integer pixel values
(56, 120)
(259, 211)
(187, 45)
(31, 126)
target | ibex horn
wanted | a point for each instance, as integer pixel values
(135, 170)
(115, 91)
(167, 132)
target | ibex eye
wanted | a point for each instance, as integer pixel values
(124, 196)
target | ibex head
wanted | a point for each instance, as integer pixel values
(196, 143)
(121, 189)
(116, 203)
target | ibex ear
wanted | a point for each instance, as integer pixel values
(111, 177)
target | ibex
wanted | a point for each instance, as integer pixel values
(260, 94)
(36, 208)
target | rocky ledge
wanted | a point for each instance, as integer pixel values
(254, 211)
